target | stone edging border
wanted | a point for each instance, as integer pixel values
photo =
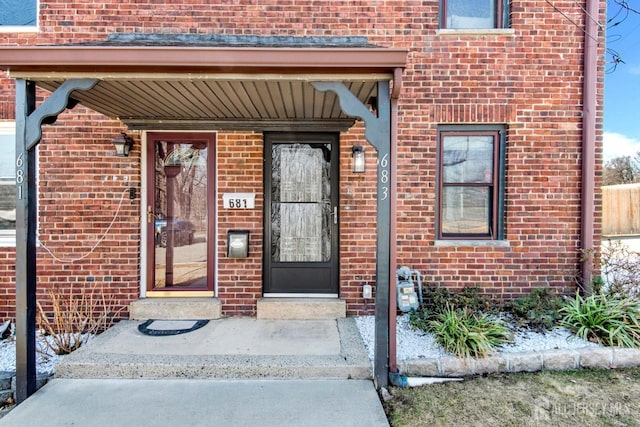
(558, 359)
(8, 384)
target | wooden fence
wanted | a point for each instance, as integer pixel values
(621, 210)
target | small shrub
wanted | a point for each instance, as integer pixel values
(604, 319)
(539, 311)
(75, 318)
(467, 334)
(436, 299)
(469, 297)
(418, 319)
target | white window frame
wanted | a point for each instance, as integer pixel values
(23, 28)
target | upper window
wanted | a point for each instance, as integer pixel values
(7, 183)
(470, 164)
(18, 15)
(474, 14)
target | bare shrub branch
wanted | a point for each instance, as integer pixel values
(75, 318)
(620, 269)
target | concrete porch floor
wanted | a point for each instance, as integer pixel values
(233, 371)
(228, 348)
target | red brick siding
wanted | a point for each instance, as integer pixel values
(82, 188)
(357, 224)
(530, 81)
(240, 170)
(7, 283)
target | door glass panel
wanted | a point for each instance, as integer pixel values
(301, 203)
(180, 216)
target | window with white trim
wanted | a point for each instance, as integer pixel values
(18, 15)
(7, 183)
(474, 14)
(471, 181)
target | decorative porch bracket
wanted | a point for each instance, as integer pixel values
(29, 121)
(378, 134)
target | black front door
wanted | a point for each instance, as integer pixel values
(301, 213)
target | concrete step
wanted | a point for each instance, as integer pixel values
(231, 348)
(175, 309)
(301, 308)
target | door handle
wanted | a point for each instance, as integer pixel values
(150, 215)
(335, 215)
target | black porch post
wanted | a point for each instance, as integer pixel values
(378, 133)
(25, 245)
(29, 120)
(383, 244)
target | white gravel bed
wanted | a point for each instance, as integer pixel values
(413, 344)
(44, 364)
(557, 338)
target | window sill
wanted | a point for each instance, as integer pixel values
(7, 241)
(471, 243)
(18, 29)
(476, 32)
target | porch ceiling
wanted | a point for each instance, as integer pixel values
(202, 103)
(210, 87)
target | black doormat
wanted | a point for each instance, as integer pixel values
(160, 328)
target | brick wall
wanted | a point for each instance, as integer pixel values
(528, 79)
(88, 227)
(240, 170)
(357, 225)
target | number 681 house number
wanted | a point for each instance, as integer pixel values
(239, 200)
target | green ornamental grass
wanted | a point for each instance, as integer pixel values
(467, 334)
(604, 319)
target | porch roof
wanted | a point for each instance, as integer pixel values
(210, 87)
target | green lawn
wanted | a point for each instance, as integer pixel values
(565, 398)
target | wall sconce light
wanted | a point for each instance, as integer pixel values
(122, 144)
(358, 159)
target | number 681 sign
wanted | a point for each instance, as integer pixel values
(19, 174)
(239, 200)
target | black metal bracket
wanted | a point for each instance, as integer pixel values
(56, 103)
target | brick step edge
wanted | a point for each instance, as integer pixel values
(588, 357)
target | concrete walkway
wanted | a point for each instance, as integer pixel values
(158, 403)
(237, 371)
